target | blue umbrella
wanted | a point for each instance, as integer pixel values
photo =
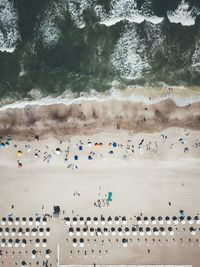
(80, 148)
(90, 157)
(75, 157)
(114, 144)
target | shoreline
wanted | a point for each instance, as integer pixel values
(89, 117)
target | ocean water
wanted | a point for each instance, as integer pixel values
(60, 50)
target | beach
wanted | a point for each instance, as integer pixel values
(148, 173)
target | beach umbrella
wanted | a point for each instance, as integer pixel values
(113, 232)
(75, 157)
(162, 229)
(189, 218)
(171, 232)
(27, 232)
(127, 231)
(23, 244)
(10, 220)
(182, 219)
(139, 220)
(141, 231)
(119, 230)
(10, 243)
(3, 221)
(74, 221)
(105, 231)
(103, 221)
(19, 154)
(95, 220)
(37, 242)
(85, 231)
(41, 232)
(81, 220)
(155, 231)
(114, 144)
(47, 253)
(67, 220)
(3, 242)
(34, 231)
(30, 221)
(88, 220)
(124, 242)
(1, 231)
(37, 221)
(80, 148)
(197, 219)
(36, 155)
(24, 263)
(78, 231)
(99, 232)
(192, 231)
(81, 242)
(17, 221)
(33, 254)
(148, 231)
(44, 242)
(74, 244)
(168, 221)
(71, 231)
(134, 231)
(23, 222)
(90, 157)
(124, 220)
(20, 231)
(47, 231)
(153, 220)
(92, 231)
(175, 220)
(116, 220)
(146, 220)
(44, 221)
(7, 230)
(58, 151)
(89, 144)
(13, 231)
(17, 241)
(110, 220)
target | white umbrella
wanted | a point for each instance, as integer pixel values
(168, 221)
(85, 231)
(146, 220)
(30, 221)
(67, 221)
(27, 232)
(175, 220)
(33, 254)
(41, 232)
(117, 220)
(139, 220)
(44, 242)
(71, 231)
(23, 244)
(3, 221)
(171, 232)
(124, 220)
(17, 243)
(124, 242)
(78, 231)
(155, 231)
(34, 231)
(74, 221)
(141, 231)
(95, 220)
(13, 232)
(81, 242)
(47, 231)
(190, 221)
(10, 243)
(163, 232)
(74, 244)
(105, 231)
(37, 242)
(58, 151)
(17, 221)
(120, 233)
(3, 243)
(153, 220)
(23, 222)
(148, 231)
(88, 220)
(47, 254)
(160, 220)
(7, 230)
(81, 220)
(127, 231)
(113, 232)
(134, 231)
(92, 231)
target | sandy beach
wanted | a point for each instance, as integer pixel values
(153, 173)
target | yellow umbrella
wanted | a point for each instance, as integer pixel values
(19, 154)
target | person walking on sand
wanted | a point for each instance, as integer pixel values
(170, 204)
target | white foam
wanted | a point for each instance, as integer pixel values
(128, 94)
(183, 14)
(9, 33)
(196, 54)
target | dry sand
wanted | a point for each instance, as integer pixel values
(143, 182)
